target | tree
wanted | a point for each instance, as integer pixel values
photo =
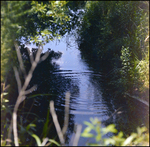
(34, 21)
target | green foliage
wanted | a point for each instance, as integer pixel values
(115, 33)
(10, 24)
(34, 21)
(4, 110)
(139, 138)
(44, 143)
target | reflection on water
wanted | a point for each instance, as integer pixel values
(89, 98)
(89, 95)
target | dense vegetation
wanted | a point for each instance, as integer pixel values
(115, 34)
(36, 22)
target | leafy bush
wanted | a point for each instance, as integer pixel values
(139, 138)
(116, 34)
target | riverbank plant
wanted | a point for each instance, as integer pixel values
(94, 130)
(115, 35)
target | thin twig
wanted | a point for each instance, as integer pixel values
(66, 119)
(55, 120)
(44, 56)
(77, 135)
(30, 55)
(17, 78)
(34, 64)
(30, 90)
(44, 141)
(113, 113)
(20, 59)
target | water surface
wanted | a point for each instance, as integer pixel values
(88, 98)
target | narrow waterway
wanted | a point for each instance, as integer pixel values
(87, 100)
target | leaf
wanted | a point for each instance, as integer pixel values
(98, 137)
(94, 121)
(39, 40)
(88, 135)
(49, 13)
(38, 141)
(120, 134)
(93, 144)
(87, 130)
(110, 128)
(5, 93)
(109, 141)
(45, 128)
(141, 130)
(89, 124)
(129, 139)
(6, 100)
(30, 125)
(53, 141)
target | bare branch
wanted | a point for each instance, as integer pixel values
(77, 135)
(17, 78)
(44, 141)
(146, 38)
(20, 59)
(55, 120)
(31, 56)
(15, 128)
(44, 57)
(30, 90)
(22, 91)
(66, 119)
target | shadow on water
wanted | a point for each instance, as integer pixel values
(92, 95)
(35, 109)
(126, 113)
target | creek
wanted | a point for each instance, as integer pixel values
(89, 98)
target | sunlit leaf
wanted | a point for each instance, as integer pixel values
(110, 128)
(5, 93)
(6, 100)
(98, 137)
(109, 141)
(87, 129)
(30, 125)
(38, 141)
(120, 134)
(87, 135)
(49, 13)
(141, 130)
(89, 124)
(129, 139)
(55, 142)
(93, 144)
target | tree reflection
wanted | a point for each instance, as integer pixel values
(35, 109)
(128, 114)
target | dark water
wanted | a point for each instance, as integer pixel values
(89, 97)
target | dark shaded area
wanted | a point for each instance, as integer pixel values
(35, 109)
(106, 27)
(129, 113)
